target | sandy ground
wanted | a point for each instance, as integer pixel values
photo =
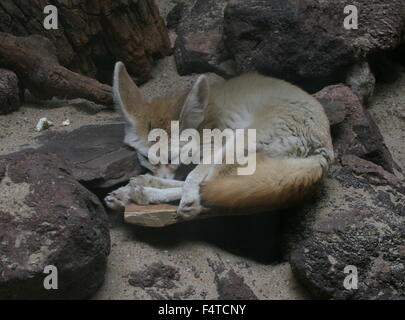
(195, 257)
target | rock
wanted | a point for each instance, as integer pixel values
(354, 222)
(335, 109)
(304, 40)
(233, 287)
(93, 35)
(48, 218)
(174, 16)
(199, 47)
(361, 81)
(375, 173)
(155, 216)
(357, 134)
(156, 275)
(9, 92)
(96, 155)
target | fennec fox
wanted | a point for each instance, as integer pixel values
(294, 147)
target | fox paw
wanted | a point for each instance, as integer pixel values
(114, 202)
(138, 194)
(190, 206)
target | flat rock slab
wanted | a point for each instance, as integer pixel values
(47, 218)
(358, 220)
(164, 215)
(160, 215)
(96, 155)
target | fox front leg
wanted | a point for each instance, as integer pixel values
(134, 193)
(120, 198)
(190, 203)
(148, 180)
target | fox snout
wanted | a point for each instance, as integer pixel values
(165, 172)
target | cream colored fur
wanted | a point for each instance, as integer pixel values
(294, 147)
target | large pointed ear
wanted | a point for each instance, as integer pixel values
(192, 113)
(127, 96)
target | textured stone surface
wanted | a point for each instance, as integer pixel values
(199, 47)
(357, 220)
(357, 134)
(160, 215)
(233, 287)
(48, 218)
(9, 92)
(96, 155)
(335, 108)
(361, 81)
(301, 40)
(94, 34)
(155, 275)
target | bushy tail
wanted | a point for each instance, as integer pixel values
(277, 183)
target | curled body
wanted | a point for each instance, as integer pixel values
(293, 147)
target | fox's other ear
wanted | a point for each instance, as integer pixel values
(127, 96)
(192, 113)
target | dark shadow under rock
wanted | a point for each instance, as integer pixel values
(48, 218)
(257, 237)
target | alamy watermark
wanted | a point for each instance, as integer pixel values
(51, 280)
(352, 280)
(51, 20)
(351, 22)
(214, 147)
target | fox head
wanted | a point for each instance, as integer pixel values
(143, 116)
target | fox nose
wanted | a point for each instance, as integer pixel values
(165, 172)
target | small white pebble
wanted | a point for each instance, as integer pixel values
(66, 123)
(43, 124)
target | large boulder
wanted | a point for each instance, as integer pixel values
(301, 40)
(47, 218)
(199, 47)
(9, 92)
(96, 155)
(357, 221)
